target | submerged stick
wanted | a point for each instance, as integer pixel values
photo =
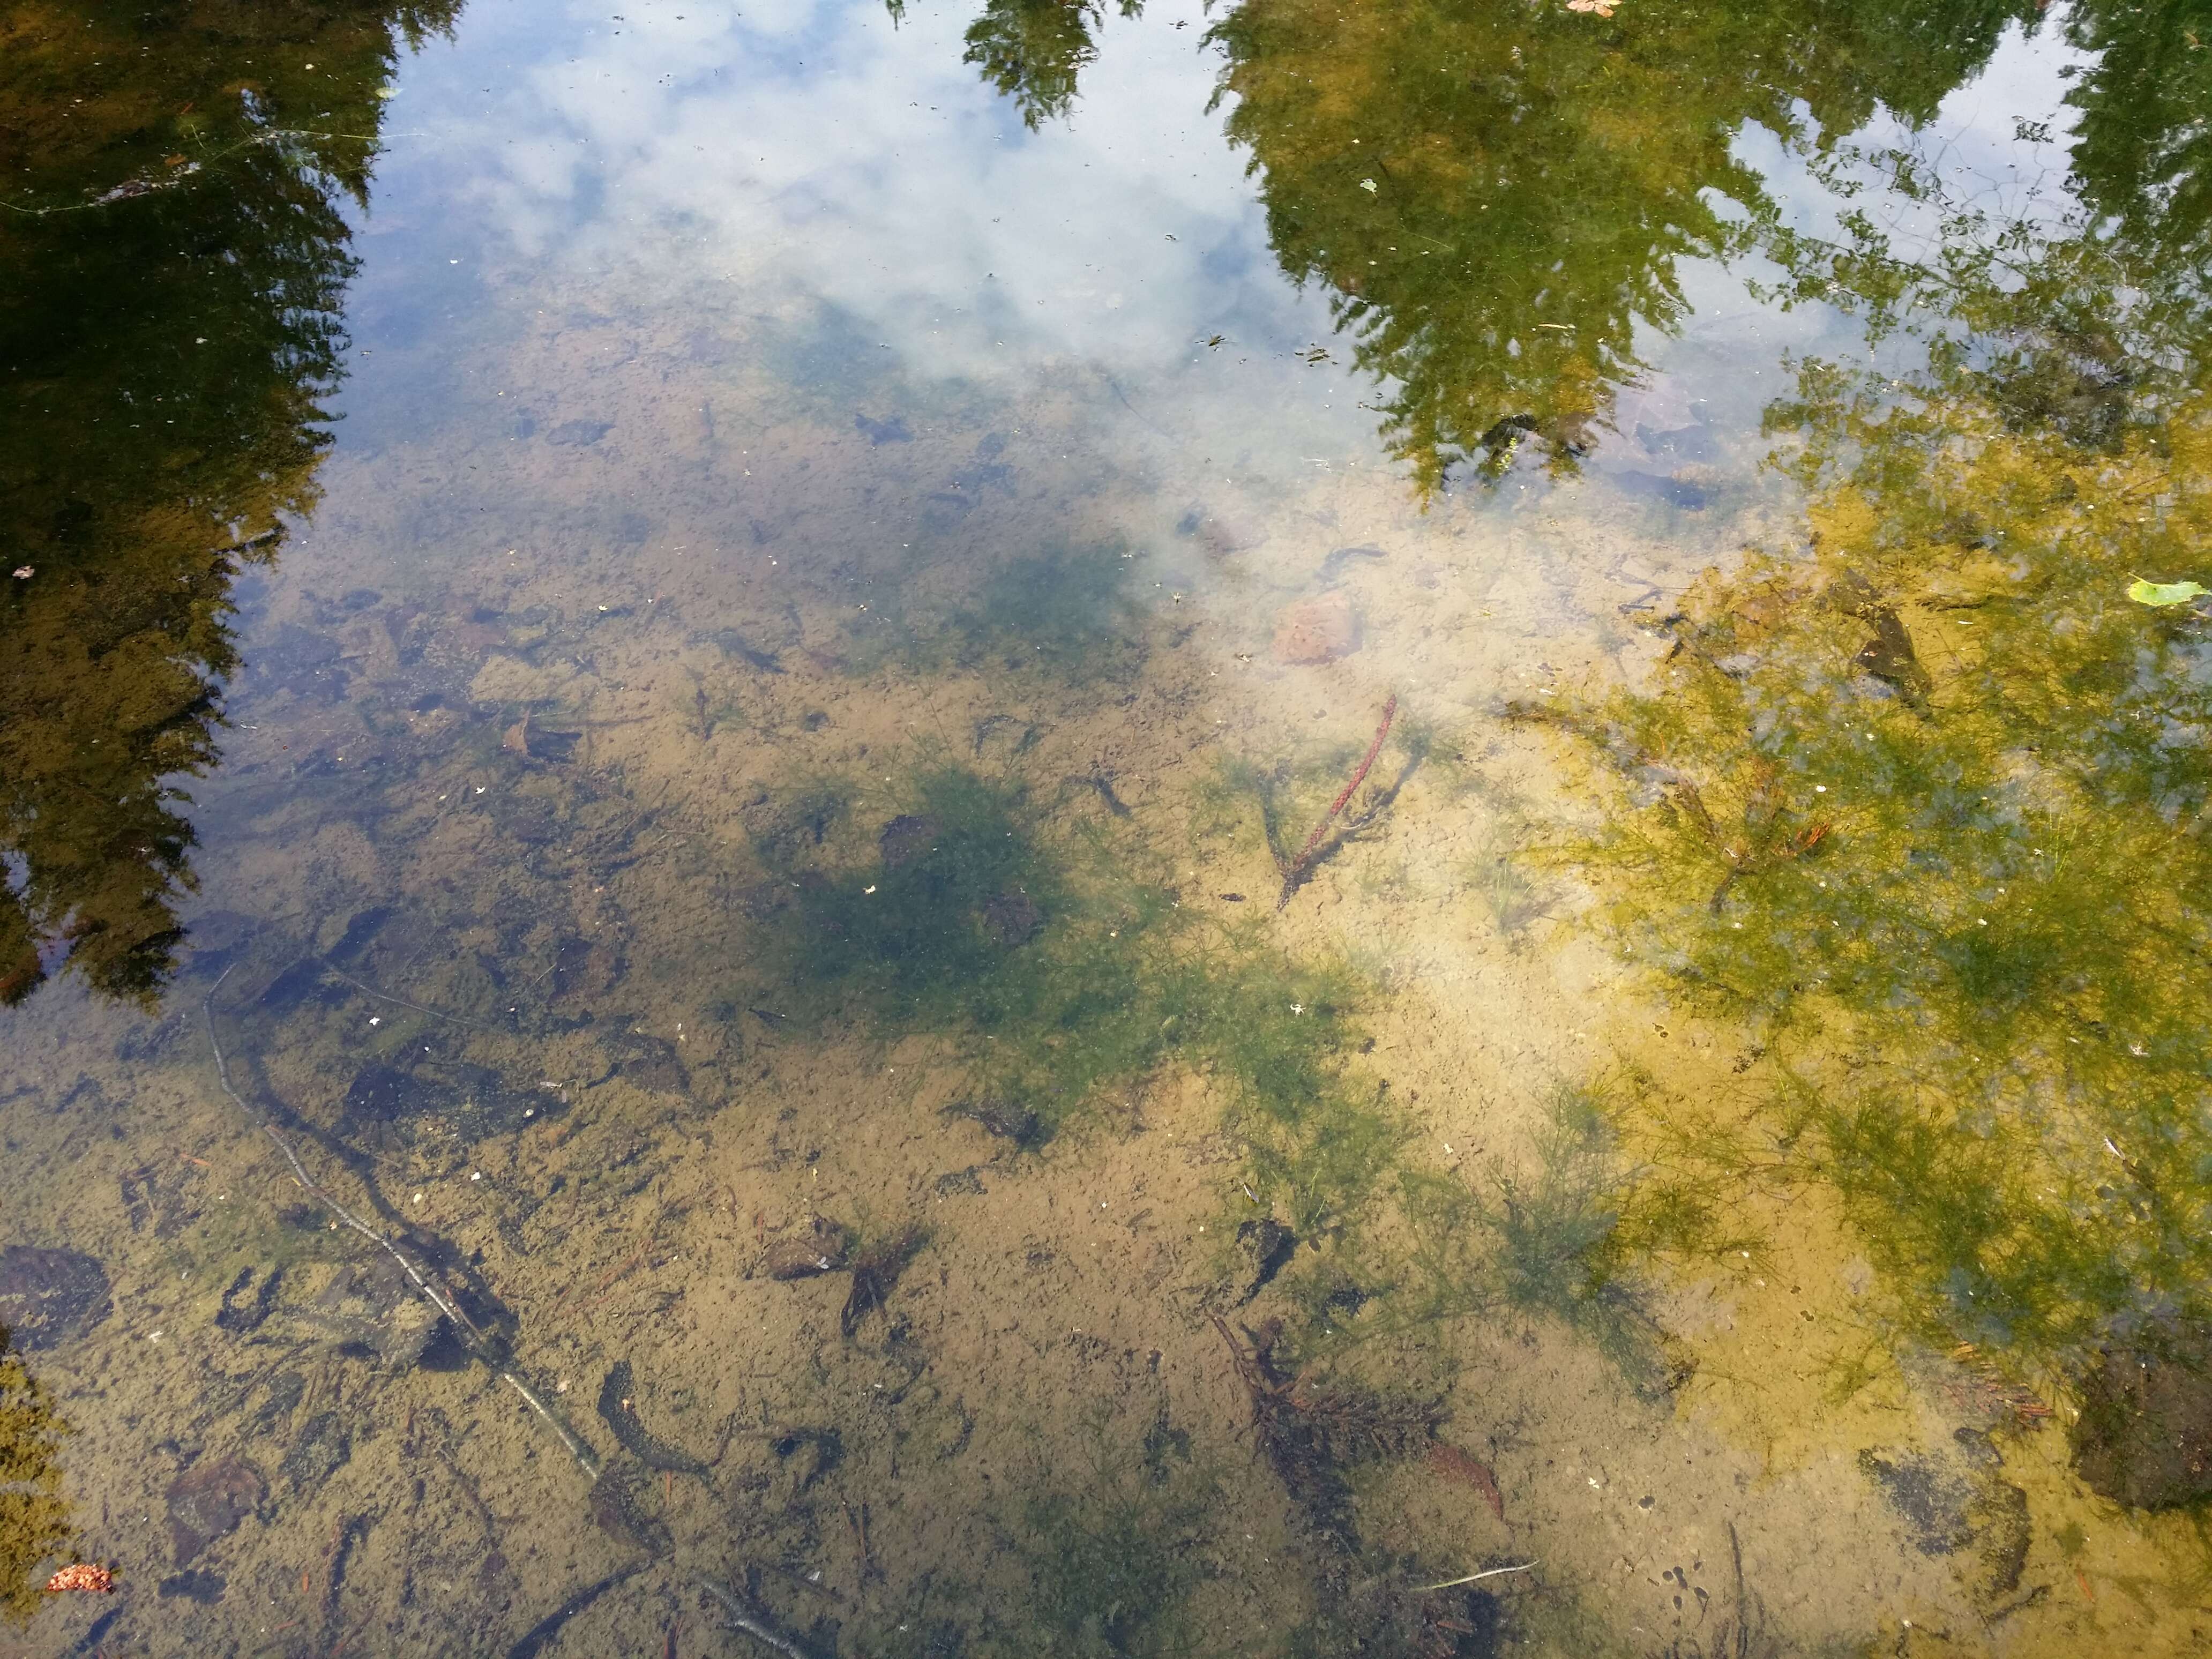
(472, 1334)
(1494, 1573)
(1294, 872)
(757, 1622)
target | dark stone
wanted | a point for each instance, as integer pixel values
(1926, 1493)
(889, 430)
(820, 1249)
(650, 1062)
(372, 1310)
(472, 1102)
(1268, 1246)
(302, 981)
(286, 1389)
(906, 838)
(48, 1297)
(240, 1313)
(321, 1450)
(1009, 1122)
(1012, 919)
(579, 434)
(207, 1500)
(195, 1585)
(2144, 1437)
(584, 966)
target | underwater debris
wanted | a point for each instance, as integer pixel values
(875, 1271)
(1768, 840)
(1315, 631)
(1268, 1247)
(1310, 1434)
(84, 1576)
(2144, 1437)
(616, 1511)
(1005, 1120)
(819, 1249)
(1463, 1466)
(209, 1499)
(482, 1344)
(1296, 870)
(757, 1622)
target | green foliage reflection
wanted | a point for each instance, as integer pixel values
(1930, 807)
(174, 255)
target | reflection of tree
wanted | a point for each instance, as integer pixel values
(1497, 197)
(2142, 151)
(1033, 51)
(172, 264)
(1928, 808)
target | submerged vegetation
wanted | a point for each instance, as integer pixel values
(35, 1518)
(1926, 807)
(1062, 969)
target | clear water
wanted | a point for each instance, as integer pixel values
(1287, 829)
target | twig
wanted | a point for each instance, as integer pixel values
(402, 1002)
(1493, 1573)
(757, 1622)
(1294, 872)
(471, 1333)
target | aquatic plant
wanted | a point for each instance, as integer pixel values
(34, 1517)
(1112, 1559)
(1064, 965)
(1925, 807)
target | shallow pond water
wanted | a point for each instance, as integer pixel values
(1283, 829)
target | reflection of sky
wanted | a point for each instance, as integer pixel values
(816, 153)
(1984, 145)
(809, 161)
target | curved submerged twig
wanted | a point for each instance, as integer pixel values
(473, 1335)
(1296, 871)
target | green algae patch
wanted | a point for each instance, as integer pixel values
(1060, 964)
(35, 1518)
(1892, 806)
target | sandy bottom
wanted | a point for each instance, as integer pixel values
(491, 933)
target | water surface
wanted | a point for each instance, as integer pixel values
(1128, 830)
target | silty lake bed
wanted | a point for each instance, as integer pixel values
(1281, 830)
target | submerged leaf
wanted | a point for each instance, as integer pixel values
(2146, 593)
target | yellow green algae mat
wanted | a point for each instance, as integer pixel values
(1017, 827)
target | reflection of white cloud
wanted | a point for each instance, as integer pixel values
(813, 151)
(1998, 144)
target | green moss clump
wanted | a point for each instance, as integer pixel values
(35, 1518)
(1064, 611)
(1926, 811)
(1063, 968)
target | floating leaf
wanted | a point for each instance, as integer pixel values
(2143, 593)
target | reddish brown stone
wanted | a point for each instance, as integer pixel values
(1317, 630)
(207, 1500)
